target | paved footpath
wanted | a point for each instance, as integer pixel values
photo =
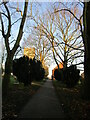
(44, 104)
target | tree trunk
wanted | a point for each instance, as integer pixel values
(65, 60)
(6, 79)
(86, 21)
(10, 53)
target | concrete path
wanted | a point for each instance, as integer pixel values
(44, 104)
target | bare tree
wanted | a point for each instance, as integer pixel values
(63, 35)
(69, 41)
(45, 25)
(85, 30)
(6, 33)
(86, 40)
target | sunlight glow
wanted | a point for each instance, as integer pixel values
(50, 70)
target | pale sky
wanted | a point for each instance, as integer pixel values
(53, 65)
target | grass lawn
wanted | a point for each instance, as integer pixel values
(73, 105)
(18, 97)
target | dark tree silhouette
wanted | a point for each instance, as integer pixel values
(86, 38)
(57, 75)
(6, 35)
(21, 69)
(28, 70)
(71, 76)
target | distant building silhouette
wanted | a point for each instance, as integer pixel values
(30, 52)
(60, 66)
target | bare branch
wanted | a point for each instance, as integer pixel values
(21, 28)
(16, 21)
(69, 12)
(9, 20)
(4, 15)
(2, 26)
(72, 47)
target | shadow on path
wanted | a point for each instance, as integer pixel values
(44, 104)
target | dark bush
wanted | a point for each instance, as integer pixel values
(58, 74)
(38, 71)
(27, 70)
(71, 76)
(21, 70)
